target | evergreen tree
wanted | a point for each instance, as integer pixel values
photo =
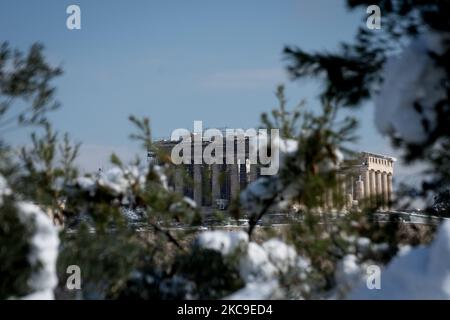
(356, 73)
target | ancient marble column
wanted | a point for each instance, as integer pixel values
(253, 172)
(359, 190)
(329, 199)
(342, 183)
(372, 187)
(179, 176)
(234, 180)
(366, 179)
(198, 184)
(342, 188)
(243, 176)
(350, 186)
(215, 183)
(349, 192)
(384, 189)
(379, 191)
(389, 188)
(349, 201)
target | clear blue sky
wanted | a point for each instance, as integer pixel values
(176, 62)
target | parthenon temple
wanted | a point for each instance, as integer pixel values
(366, 179)
(370, 177)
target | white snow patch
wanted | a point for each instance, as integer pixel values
(162, 177)
(44, 250)
(348, 272)
(222, 241)
(363, 244)
(115, 180)
(281, 255)
(86, 183)
(58, 183)
(40, 295)
(120, 180)
(409, 78)
(190, 202)
(255, 265)
(260, 266)
(332, 163)
(4, 189)
(287, 145)
(416, 273)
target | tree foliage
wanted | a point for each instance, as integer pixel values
(118, 226)
(354, 73)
